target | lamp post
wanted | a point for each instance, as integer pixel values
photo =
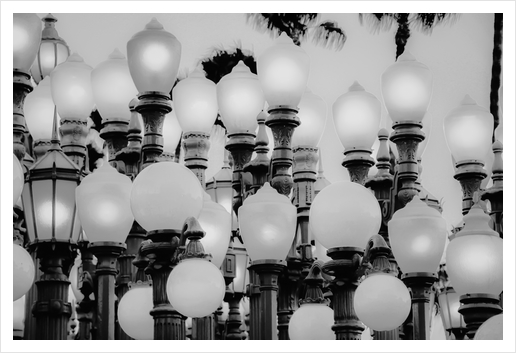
(343, 216)
(453, 321)
(474, 261)
(356, 115)
(163, 221)
(468, 130)
(49, 204)
(267, 223)
(495, 193)
(153, 57)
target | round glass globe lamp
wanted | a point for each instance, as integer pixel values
(468, 130)
(71, 88)
(26, 40)
(267, 223)
(23, 272)
(283, 71)
(216, 222)
(407, 89)
(171, 132)
(474, 257)
(195, 102)
(39, 111)
(491, 329)
(356, 115)
(196, 287)
(103, 205)
(153, 56)
(312, 322)
(18, 179)
(134, 312)
(312, 113)
(53, 50)
(240, 99)
(344, 214)
(382, 302)
(164, 195)
(113, 87)
(417, 234)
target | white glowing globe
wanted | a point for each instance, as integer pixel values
(312, 322)
(134, 313)
(23, 272)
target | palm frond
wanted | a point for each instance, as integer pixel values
(329, 35)
(219, 62)
(378, 22)
(295, 25)
(425, 22)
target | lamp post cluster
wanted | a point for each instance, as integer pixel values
(171, 245)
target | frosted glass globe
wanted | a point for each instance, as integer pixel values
(240, 99)
(407, 89)
(356, 115)
(468, 130)
(216, 222)
(171, 132)
(195, 287)
(134, 313)
(23, 272)
(344, 214)
(267, 223)
(113, 87)
(474, 257)
(491, 329)
(417, 234)
(26, 39)
(18, 179)
(19, 314)
(382, 302)
(71, 88)
(311, 322)
(312, 114)
(283, 71)
(39, 111)
(164, 195)
(195, 102)
(103, 205)
(153, 56)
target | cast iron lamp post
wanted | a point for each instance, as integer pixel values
(474, 261)
(343, 217)
(495, 193)
(418, 236)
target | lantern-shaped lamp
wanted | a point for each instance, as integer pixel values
(103, 205)
(26, 40)
(356, 115)
(407, 89)
(53, 50)
(153, 56)
(268, 224)
(240, 99)
(449, 304)
(312, 113)
(220, 186)
(242, 261)
(283, 71)
(195, 102)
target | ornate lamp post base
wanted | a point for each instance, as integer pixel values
(420, 285)
(358, 163)
(476, 309)
(197, 145)
(241, 147)
(470, 175)
(21, 87)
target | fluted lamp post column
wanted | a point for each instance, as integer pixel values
(495, 193)
(418, 236)
(105, 213)
(49, 204)
(27, 38)
(343, 217)
(283, 73)
(153, 56)
(468, 130)
(406, 91)
(163, 220)
(267, 223)
(474, 261)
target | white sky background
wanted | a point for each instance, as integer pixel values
(458, 55)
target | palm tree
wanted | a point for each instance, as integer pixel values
(496, 70)
(423, 22)
(299, 26)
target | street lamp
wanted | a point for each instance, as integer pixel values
(474, 261)
(356, 115)
(492, 329)
(26, 40)
(23, 272)
(18, 180)
(468, 130)
(134, 311)
(453, 321)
